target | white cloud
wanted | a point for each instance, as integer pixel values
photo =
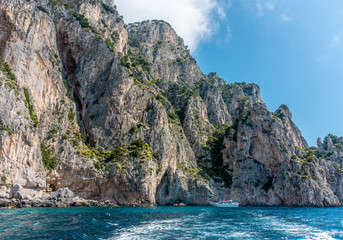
(193, 20)
(259, 8)
(285, 18)
(334, 41)
(270, 6)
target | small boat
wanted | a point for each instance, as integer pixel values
(225, 203)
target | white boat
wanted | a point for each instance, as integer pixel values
(225, 203)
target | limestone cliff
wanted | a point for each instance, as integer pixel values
(123, 113)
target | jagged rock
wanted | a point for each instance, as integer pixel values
(122, 114)
(62, 193)
(179, 205)
(320, 145)
(329, 143)
(17, 192)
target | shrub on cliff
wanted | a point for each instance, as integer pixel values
(48, 161)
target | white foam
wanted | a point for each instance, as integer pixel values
(112, 224)
(188, 226)
(296, 229)
(147, 230)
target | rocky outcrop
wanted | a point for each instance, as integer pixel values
(320, 145)
(92, 108)
(61, 198)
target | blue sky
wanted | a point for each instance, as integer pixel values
(292, 49)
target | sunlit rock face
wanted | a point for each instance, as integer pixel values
(123, 114)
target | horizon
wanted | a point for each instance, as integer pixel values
(293, 57)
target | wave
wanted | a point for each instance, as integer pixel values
(292, 229)
(190, 227)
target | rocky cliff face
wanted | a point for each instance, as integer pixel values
(123, 113)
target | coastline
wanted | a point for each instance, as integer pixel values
(6, 203)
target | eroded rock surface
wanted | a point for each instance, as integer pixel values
(121, 114)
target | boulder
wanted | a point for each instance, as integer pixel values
(329, 143)
(62, 193)
(179, 205)
(17, 192)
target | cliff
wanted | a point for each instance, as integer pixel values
(122, 113)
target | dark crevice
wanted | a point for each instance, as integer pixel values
(268, 184)
(6, 28)
(70, 66)
(162, 191)
(77, 96)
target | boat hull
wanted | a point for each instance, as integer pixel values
(225, 205)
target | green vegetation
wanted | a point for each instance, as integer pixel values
(172, 116)
(134, 42)
(120, 19)
(84, 22)
(92, 116)
(135, 59)
(132, 60)
(115, 36)
(125, 62)
(149, 107)
(140, 60)
(110, 44)
(243, 99)
(195, 173)
(139, 143)
(179, 95)
(30, 107)
(134, 129)
(155, 155)
(108, 8)
(3, 179)
(6, 69)
(5, 128)
(42, 9)
(52, 132)
(337, 142)
(69, 94)
(138, 149)
(275, 118)
(181, 113)
(48, 161)
(71, 115)
(308, 159)
(227, 89)
(268, 132)
(310, 155)
(214, 167)
(104, 23)
(65, 3)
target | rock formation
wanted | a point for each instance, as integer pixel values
(122, 114)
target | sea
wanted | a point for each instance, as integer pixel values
(171, 223)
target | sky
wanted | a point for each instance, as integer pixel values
(293, 49)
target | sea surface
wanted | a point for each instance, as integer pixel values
(171, 223)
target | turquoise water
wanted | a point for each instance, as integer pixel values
(171, 223)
